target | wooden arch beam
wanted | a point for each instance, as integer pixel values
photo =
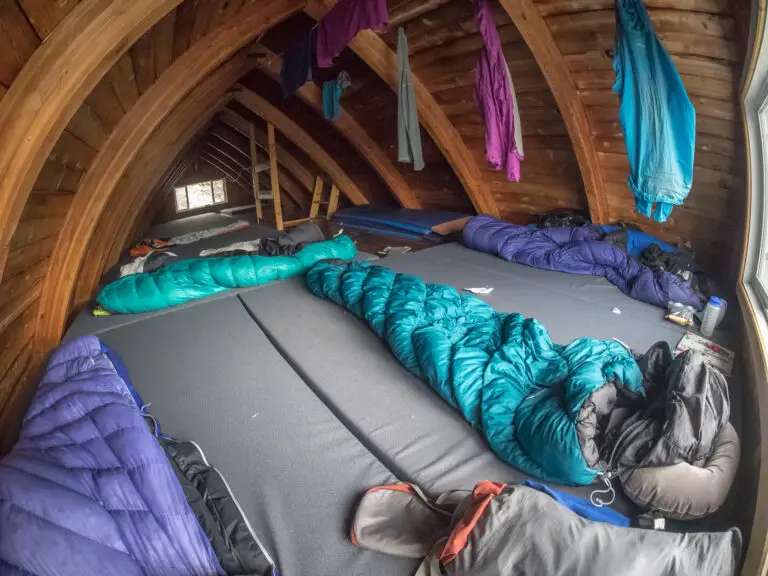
(536, 34)
(53, 83)
(297, 169)
(298, 136)
(271, 64)
(383, 61)
(128, 138)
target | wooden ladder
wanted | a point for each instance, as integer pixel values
(270, 166)
(331, 204)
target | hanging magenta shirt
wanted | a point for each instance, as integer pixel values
(343, 22)
(496, 98)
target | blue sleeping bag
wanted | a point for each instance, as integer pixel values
(578, 251)
(657, 118)
(87, 489)
(539, 404)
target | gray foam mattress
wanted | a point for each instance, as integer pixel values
(297, 472)
(303, 408)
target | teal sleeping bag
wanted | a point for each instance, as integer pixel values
(195, 278)
(540, 405)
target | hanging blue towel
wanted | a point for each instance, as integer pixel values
(657, 118)
(332, 91)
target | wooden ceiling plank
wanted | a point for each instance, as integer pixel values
(143, 55)
(185, 21)
(123, 80)
(534, 30)
(262, 108)
(383, 61)
(18, 41)
(162, 40)
(196, 66)
(46, 15)
(206, 12)
(87, 126)
(350, 129)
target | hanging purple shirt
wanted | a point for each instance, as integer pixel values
(496, 98)
(343, 22)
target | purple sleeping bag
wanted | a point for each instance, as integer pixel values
(578, 251)
(87, 490)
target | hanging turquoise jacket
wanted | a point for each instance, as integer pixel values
(195, 278)
(657, 118)
(540, 405)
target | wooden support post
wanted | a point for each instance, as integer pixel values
(273, 175)
(317, 197)
(254, 176)
(333, 202)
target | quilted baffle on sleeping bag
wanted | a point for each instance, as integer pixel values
(539, 404)
(658, 119)
(87, 490)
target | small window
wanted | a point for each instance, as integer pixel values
(200, 195)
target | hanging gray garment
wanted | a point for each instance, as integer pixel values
(408, 130)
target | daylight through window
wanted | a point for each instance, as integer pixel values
(194, 196)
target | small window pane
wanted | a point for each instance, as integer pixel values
(199, 195)
(181, 199)
(219, 196)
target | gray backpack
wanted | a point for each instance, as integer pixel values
(500, 530)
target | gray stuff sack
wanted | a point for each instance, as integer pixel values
(500, 530)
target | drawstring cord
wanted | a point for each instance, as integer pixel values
(595, 496)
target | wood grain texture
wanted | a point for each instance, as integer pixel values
(347, 126)
(297, 135)
(45, 15)
(129, 137)
(53, 82)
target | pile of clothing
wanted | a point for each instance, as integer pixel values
(638, 264)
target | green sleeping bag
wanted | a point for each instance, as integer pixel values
(195, 278)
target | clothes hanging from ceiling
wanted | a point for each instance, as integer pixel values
(332, 91)
(342, 23)
(298, 63)
(495, 96)
(408, 129)
(657, 118)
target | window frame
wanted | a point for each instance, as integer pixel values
(213, 196)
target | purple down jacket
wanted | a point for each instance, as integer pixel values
(87, 490)
(578, 251)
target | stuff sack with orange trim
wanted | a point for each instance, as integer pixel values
(501, 530)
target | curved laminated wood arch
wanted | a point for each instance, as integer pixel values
(126, 140)
(298, 136)
(52, 84)
(383, 61)
(347, 126)
(534, 30)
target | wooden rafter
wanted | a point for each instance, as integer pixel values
(298, 136)
(535, 31)
(295, 167)
(254, 163)
(52, 84)
(270, 63)
(383, 61)
(128, 138)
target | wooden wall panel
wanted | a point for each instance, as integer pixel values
(44, 15)
(18, 41)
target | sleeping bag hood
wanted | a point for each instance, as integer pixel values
(540, 405)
